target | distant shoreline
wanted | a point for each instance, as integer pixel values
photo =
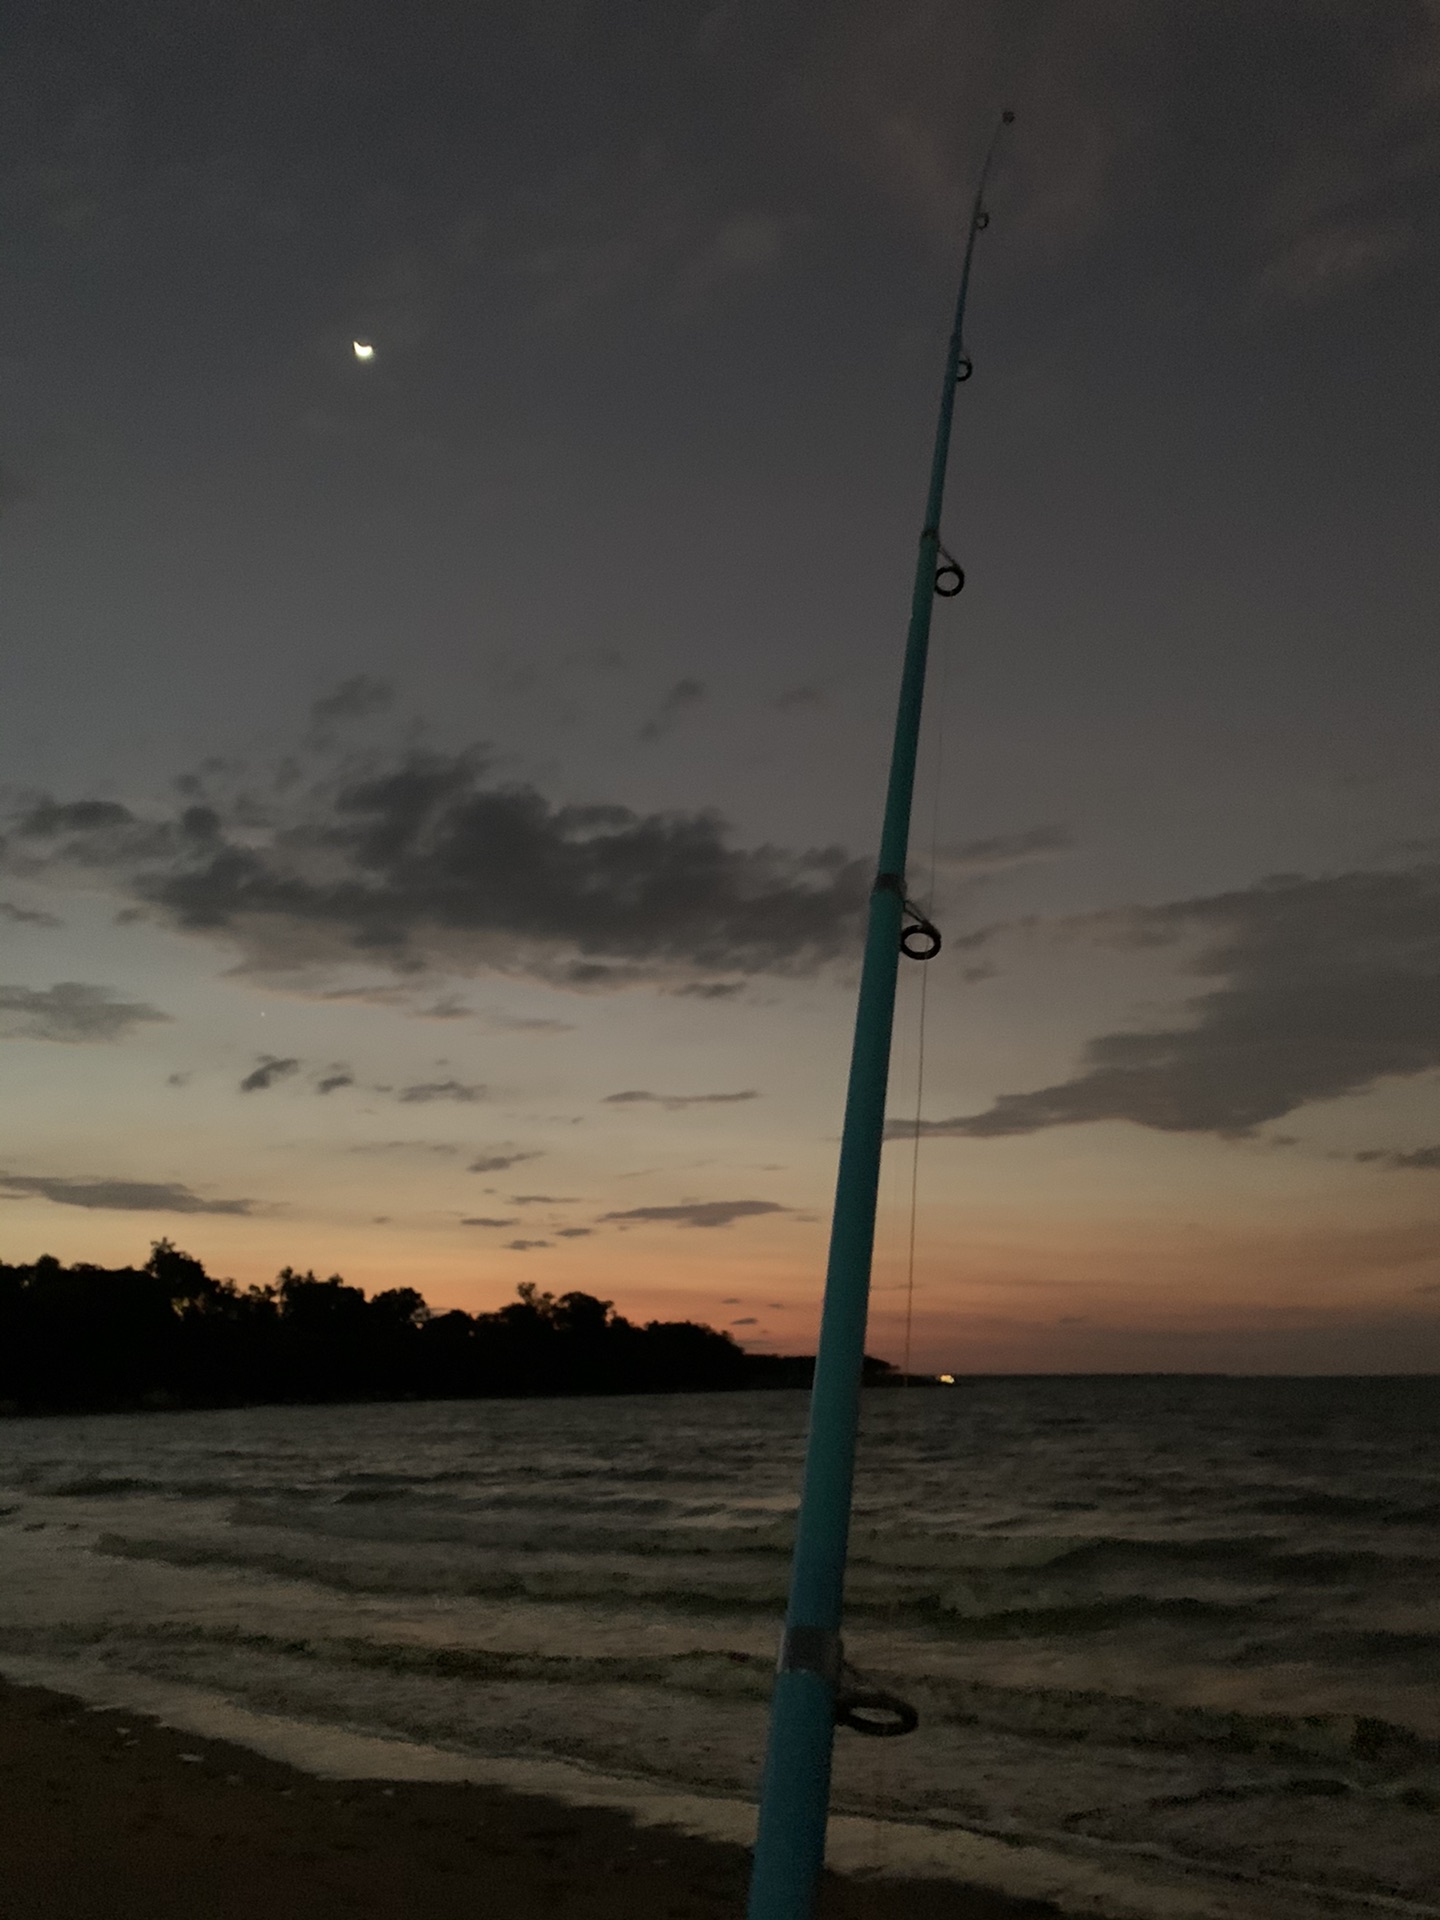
(168, 1335)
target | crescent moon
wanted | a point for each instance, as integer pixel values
(363, 349)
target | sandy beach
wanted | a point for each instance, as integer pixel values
(112, 1816)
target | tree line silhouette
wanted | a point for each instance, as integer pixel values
(85, 1338)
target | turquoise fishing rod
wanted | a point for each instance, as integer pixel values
(813, 1688)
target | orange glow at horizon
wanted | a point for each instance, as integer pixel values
(1005, 1295)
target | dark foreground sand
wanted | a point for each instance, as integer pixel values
(110, 1816)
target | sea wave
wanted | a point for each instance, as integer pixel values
(1190, 1624)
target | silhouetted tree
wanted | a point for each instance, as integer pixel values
(168, 1334)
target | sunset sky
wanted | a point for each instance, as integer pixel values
(441, 788)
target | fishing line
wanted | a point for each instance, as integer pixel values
(914, 1182)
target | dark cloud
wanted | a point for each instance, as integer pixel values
(28, 916)
(542, 1199)
(70, 1011)
(119, 1196)
(524, 1246)
(426, 864)
(270, 1069)
(749, 1321)
(709, 989)
(354, 699)
(331, 1082)
(498, 1162)
(1328, 986)
(681, 697)
(573, 1233)
(699, 1213)
(1421, 1159)
(427, 1090)
(672, 1102)
(50, 817)
(479, 1220)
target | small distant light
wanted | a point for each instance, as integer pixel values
(946, 1379)
(363, 349)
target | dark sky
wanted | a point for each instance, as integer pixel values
(507, 712)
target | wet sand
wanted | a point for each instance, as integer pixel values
(112, 1816)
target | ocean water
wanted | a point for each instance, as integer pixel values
(1175, 1642)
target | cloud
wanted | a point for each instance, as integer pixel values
(1422, 1159)
(427, 1090)
(427, 864)
(522, 1023)
(792, 698)
(366, 996)
(354, 699)
(698, 1213)
(337, 1077)
(70, 1012)
(573, 1233)
(524, 1246)
(1003, 850)
(542, 1199)
(1354, 192)
(1340, 254)
(270, 1069)
(404, 1146)
(28, 916)
(448, 1007)
(491, 1018)
(887, 88)
(498, 1162)
(749, 1321)
(49, 817)
(681, 697)
(744, 243)
(673, 1102)
(120, 1196)
(1327, 986)
(479, 1220)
